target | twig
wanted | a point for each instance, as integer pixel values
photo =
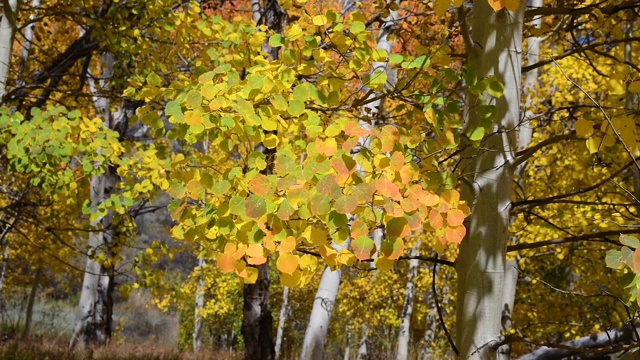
(435, 297)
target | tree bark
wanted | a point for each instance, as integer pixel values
(7, 31)
(284, 311)
(402, 352)
(31, 301)
(94, 318)
(95, 310)
(496, 48)
(197, 316)
(608, 339)
(257, 321)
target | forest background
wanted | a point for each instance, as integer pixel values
(318, 179)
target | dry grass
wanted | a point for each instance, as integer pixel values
(48, 349)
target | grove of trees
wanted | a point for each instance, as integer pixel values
(359, 180)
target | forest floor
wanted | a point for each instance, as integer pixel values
(142, 332)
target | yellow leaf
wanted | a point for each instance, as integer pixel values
(287, 263)
(440, 7)
(252, 275)
(383, 263)
(512, 5)
(458, 3)
(319, 20)
(584, 128)
(291, 280)
(593, 143)
(634, 87)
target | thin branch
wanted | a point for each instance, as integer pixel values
(592, 237)
(607, 10)
(544, 201)
(524, 155)
(439, 310)
(604, 113)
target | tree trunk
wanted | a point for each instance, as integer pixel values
(364, 338)
(525, 132)
(257, 321)
(402, 352)
(95, 310)
(31, 301)
(197, 316)
(316, 334)
(7, 31)
(496, 39)
(284, 311)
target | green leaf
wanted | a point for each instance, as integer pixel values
(220, 187)
(174, 109)
(495, 89)
(397, 228)
(296, 108)
(613, 259)
(396, 59)
(357, 27)
(477, 134)
(154, 80)
(320, 204)
(276, 40)
(194, 99)
(236, 206)
(362, 247)
(630, 241)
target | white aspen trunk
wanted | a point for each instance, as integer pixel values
(347, 348)
(496, 39)
(525, 132)
(364, 337)
(95, 309)
(316, 333)
(402, 352)
(4, 242)
(28, 40)
(7, 31)
(197, 316)
(282, 319)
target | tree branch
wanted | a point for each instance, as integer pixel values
(603, 343)
(607, 10)
(594, 237)
(524, 155)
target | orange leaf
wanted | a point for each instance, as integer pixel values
(287, 245)
(388, 189)
(496, 4)
(358, 229)
(455, 217)
(389, 136)
(226, 263)
(287, 263)
(352, 128)
(456, 234)
(260, 185)
(435, 219)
